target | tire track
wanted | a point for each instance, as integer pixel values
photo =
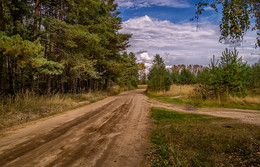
(28, 146)
(94, 143)
(115, 126)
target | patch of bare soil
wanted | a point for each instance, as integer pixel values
(247, 116)
(112, 132)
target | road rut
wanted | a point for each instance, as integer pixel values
(112, 132)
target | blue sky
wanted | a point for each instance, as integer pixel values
(173, 14)
(164, 27)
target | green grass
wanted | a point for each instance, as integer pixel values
(183, 139)
(184, 100)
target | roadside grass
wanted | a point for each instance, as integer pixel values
(30, 106)
(142, 86)
(185, 95)
(183, 139)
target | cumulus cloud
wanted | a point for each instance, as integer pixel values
(148, 3)
(144, 57)
(179, 43)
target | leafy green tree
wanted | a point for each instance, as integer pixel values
(159, 78)
(238, 16)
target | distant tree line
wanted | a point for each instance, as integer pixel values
(228, 75)
(60, 46)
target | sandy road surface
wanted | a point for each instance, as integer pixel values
(112, 132)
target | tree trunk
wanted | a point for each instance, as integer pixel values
(2, 28)
(36, 14)
(1, 74)
(10, 77)
(48, 84)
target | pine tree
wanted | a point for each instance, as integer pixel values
(159, 78)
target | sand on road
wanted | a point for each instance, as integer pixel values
(112, 132)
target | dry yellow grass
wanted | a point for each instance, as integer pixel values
(142, 86)
(178, 90)
(186, 95)
(247, 100)
(30, 106)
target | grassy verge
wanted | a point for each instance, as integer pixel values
(142, 86)
(184, 95)
(29, 106)
(183, 139)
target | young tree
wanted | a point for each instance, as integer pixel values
(229, 76)
(175, 76)
(159, 78)
(187, 77)
(203, 76)
(254, 79)
(233, 73)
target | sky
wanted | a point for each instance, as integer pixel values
(164, 27)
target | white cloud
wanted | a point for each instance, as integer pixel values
(144, 58)
(209, 8)
(180, 43)
(148, 3)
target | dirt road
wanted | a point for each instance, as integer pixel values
(113, 132)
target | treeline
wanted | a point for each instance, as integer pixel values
(228, 75)
(60, 46)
